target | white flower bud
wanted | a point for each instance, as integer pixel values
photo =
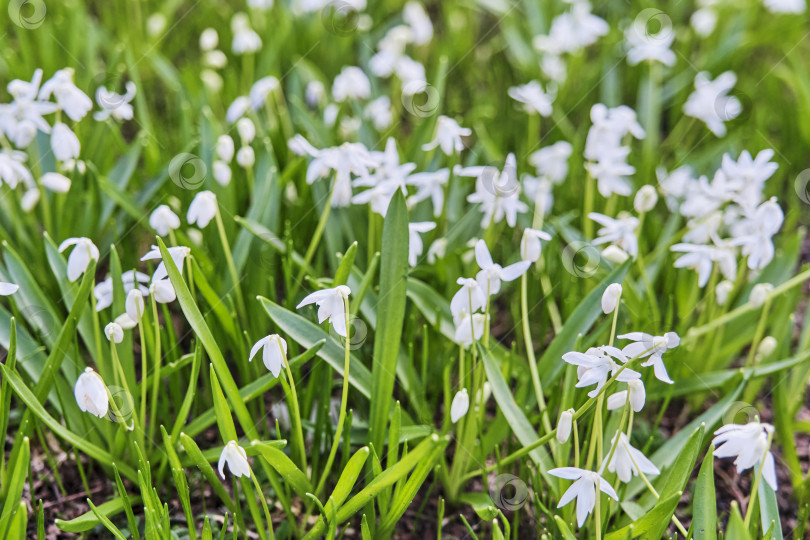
(245, 157)
(610, 298)
(225, 148)
(766, 347)
(246, 129)
(222, 172)
(564, 425)
(163, 291)
(460, 405)
(646, 198)
(91, 393)
(134, 305)
(209, 39)
(114, 332)
(615, 254)
(759, 293)
(722, 291)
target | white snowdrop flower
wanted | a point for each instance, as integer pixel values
(246, 130)
(460, 405)
(222, 172)
(785, 6)
(469, 328)
(711, 103)
(551, 162)
(178, 255)
(469, 299)
(564, 425)
(134, 305)
(615, 254)
(246, 157)
(314, 93)
(211, 80)
(215, 59)
(415, 245)
(29, 199)
(429, 185)
(69, 98)
(531, 245)
(155, 24)
(91, 393)
(330, 114)
(8, 288)
(13, 170)
(540, 191)
(237, 109)
(437, 250)
(647, 345)
(417, 19)
(130, 279)
(162, 291)
(202, 209)
(163, 220)
(79, 259)
(235, 457)
(747, 175)
(331, 306)
(620, 231)
(117, 106)
(245, 39)
(755, 233)
(643, 46)
(748, 443)
(351, 83)
(263, 5)
(704, 21)
(379, 111)
(610, 126)
(597, 364)
(491, 274)
(702, 258)
(645, 199)
(766, 347)
(114, 332)
(498, 192)
(722, 291)
(209, 39)
(225, 148)
(610, 298)
(759, 294)
(58, 183)
(22, 118)
(412, 75)
(448, 136)
(64, 143)
(535, 100)
(274, 352)
(635, 392)
(584, 490)
(628, 461)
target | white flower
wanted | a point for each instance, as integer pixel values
(222, 172)
(702, 258)
(245, 39)
(415, 246)
(534, 99)
(497, 191)
(437, 250)
(711, 103)
(564, 425)
(429, 185)
(70, 99)
(246, 130)
(8, 288)
(646, 198)
(611, 171)
(628, 461)
(91, 393)
(460, 405)
(615, 254)
(595, 366)
(583, 489)
(104, 290)
(163, 220)
(620, 231)
(491, 274)
(235, 457)
(379, 111)
(237, 109)
(119, 106)
(609, 127)
(332, 304)
(202, 209)
(225, 148)
(261, 89)
(469, 299)
(755, 232)
(245, 157)
(114, 332)
(635, 393)
(421, 28)
(29, 199)
(448, 136)
(759, 294)
(704, 21)
(209, 39)
(469, 328)
(642, 45)
(78, 261)
(351, 83)
(785, 6)
(314, 93)
(13, 171)
(551, 162)
(722, 291)
(530, 245)
(21, 118)
(64, 142)
(748, 443)
(610, 298)
(178, 255)
(647, 345)
(215, 59)
(134, 304)
(163, 291)
(274, 352)
(58, 183)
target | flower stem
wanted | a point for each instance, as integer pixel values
(755, 487)
(598, 511)
(295, 417)
(527, 338)
(226, 247)
(316, 237)
(155, 371)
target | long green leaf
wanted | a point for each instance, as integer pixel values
(704, 507)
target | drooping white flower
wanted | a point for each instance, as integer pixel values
(417, 19)
(178, 255)
(755, 233)
(647, 345)
(13, 170)
(615, 254)
(535, 100)
(584, 490)
(597, 364)
(628, 461)
(236, 458)
(460, 405)
(23, 117)
(469, 328)
(261, 90)
(448, 136)
(704, 21)
(163, 220)
(91, 393)
(245, 39)
(469, 299)
(79, 259)
(610, 298)
(429, 185)
(620, 231)
(645, 46)
(722, 291)
(331, 306)
(237, 109)
(114, 332)
(246, 157)
(645, 199)
(225, 148)
(8, 288)
(222, 172)
(129, 279)
(351, 83)
(202, 209)
(748, 443)
(163, 291)
(564, 425)
(58, 183)
(711, 103)
(437, 250)
(246, 129)
(69, 98)
(785, 6)
(635, 392)
(314, 93)
(134, 304)
(209, 39)
(491, 274)
(551, 162)
(702, 258)
(117, 106)
(415, 245)
(759, 294)
(531, 245)
(274, 352)
(64, 143)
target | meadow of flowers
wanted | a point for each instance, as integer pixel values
(404, 269)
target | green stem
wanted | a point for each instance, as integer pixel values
(527, 338)
(755, 487)
(316, 237)
(226, 247)
(295, 416)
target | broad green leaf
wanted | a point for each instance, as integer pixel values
(348, 478)
(106, 521)
(646, 526)
(207, 471)
(564, 529)
(89, 519)
(704, 507)
(16, 482)
(769, 510)
(736, 530)
(285, 467)
(227, 429)
(482, 504)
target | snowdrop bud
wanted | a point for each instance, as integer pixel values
(314, 93)
(610, 298)
(215, 59)
(460, 405)
(530, 245)
(64, 142)
(91, 393)
(163, 291)
(155, 24)
(78, 261)
(722, 291)
(646, 198)
(766, 347)
(703, 21)
(235, 457)
(330, 114)
(222, 172)
(759, 293)
(8, 288)
(225, 148)
(274, 353)
(56, 182)
(564, 425)
(246, 129)
(212, 80)
(29, 199)
(209, 39)
(245, 157)
(134, 304)
(615, 254)
(114, 332)
(163, 220)
(638, 394)
(202, 209)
